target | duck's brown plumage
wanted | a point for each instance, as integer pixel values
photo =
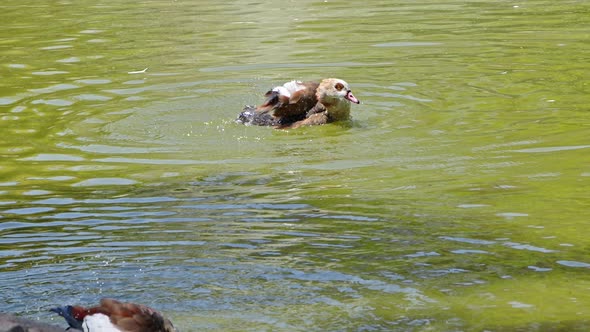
(301, 99)
(126, 316)
(296, 104)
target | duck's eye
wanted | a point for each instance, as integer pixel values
(339, 86)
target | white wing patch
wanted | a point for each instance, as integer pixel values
(289, 88)
(98, 323)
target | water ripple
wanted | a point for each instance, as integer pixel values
(29, 210)
(552, 149)
(104, 182)
(529, 247)
(573, 264)
(54, 88)
(467, 240)
(53, 157)
(407, 44)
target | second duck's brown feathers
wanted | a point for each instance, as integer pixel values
(121, 316)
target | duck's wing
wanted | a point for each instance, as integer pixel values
(131, 317)
(290, 102)
(312, 120)
(317, 115)
(317, 108)
(274, 98)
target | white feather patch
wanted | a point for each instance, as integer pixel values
(99, 323)
(289, 88)
(282, 91)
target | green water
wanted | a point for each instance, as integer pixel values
(456, 200)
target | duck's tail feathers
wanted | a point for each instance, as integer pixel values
(251, 116)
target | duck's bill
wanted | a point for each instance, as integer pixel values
(352, 98)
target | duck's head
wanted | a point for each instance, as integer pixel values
(334, 90)
(71, 315)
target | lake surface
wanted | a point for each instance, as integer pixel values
(456, 200)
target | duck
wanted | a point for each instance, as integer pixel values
(114, 316)
(296, 103)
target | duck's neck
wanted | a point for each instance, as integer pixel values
(338, 110)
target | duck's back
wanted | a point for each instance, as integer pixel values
(291, 101)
